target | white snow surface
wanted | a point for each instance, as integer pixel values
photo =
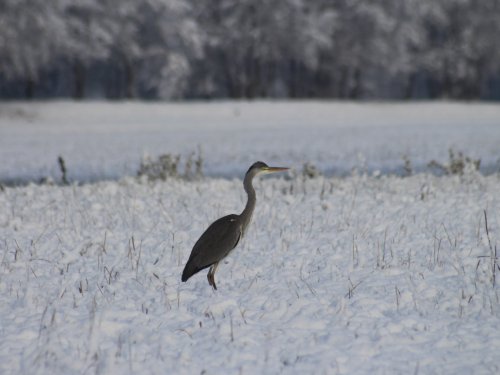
(102, 140)
(365, 274)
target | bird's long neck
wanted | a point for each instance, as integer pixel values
(246, 215)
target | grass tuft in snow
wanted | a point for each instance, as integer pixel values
(458, 164)
(168, 166)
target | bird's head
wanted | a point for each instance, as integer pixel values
(262, 168)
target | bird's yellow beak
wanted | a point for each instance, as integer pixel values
(274, 169)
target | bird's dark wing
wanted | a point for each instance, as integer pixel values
(214, 244)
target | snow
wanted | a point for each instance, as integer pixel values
(359, 274)
(107, 141)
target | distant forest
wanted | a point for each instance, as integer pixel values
(201, 49)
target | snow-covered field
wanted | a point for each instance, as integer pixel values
(107, 140)
(364, 274)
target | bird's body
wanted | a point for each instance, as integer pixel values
(224, 234)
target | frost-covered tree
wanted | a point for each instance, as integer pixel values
(397, 44)
(88, 39)
(481, 47)
(262, 47)
(251, 48)
(171, 43)
(30, 34)
(145, 45)
(122, 22)
(462, 53)
(361, 47)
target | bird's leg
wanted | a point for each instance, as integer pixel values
(211, 275)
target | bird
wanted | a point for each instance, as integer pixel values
(222, 236)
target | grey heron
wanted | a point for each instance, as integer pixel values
(223, 235)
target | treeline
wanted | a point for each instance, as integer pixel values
(175, 49)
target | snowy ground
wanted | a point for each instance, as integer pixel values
(356, 275)
(107, 140)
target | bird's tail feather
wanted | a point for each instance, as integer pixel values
(190, 270)
(187, 273)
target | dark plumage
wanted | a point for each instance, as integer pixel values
(215, 243)
(223, 235)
